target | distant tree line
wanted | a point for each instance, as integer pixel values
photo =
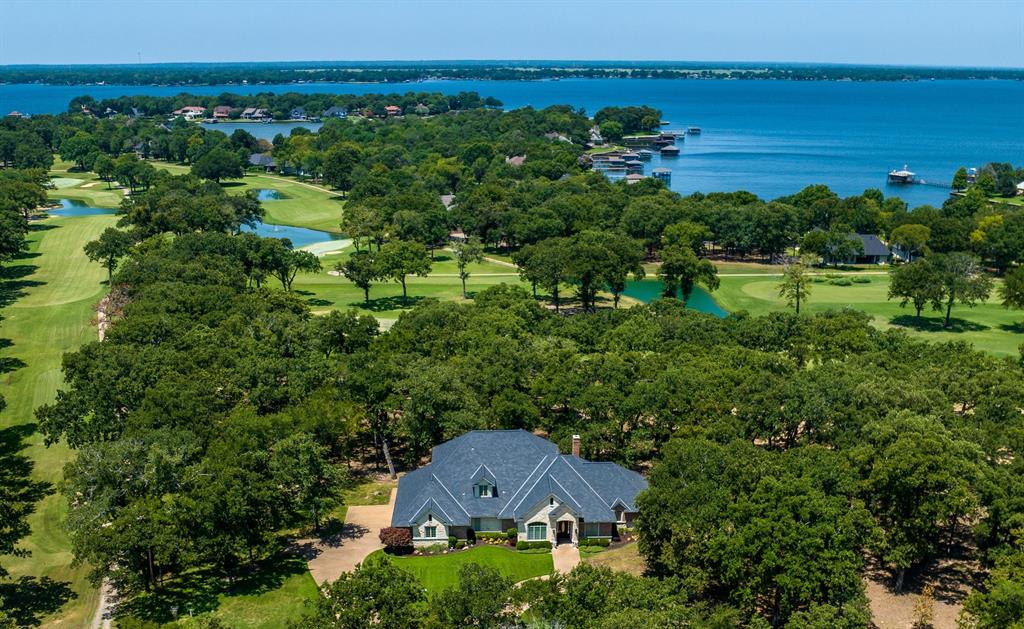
(397, 72)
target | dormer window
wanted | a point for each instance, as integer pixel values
(483, 489)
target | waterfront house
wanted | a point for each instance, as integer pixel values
(190, 112)
(392, 110)
(494, 480)
(248, 113)
(222, 112)
(1020, 188)
(297, 113)
(663, 174)
(336, 112)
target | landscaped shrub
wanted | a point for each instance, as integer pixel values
(525, 545)
(492, 537)
(459, 545)
(396, 537)
(451, 541)
(860, 279)
(513, 535)
(596, 541)
(842, 281)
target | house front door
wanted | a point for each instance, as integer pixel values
(564, 530)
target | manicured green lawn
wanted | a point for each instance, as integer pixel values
(305, 205)
(326, 292)
(54, 288)
(988, 326)
(276, 592)
(439, 572)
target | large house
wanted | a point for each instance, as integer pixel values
(494, 480)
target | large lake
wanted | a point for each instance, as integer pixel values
(769, 137)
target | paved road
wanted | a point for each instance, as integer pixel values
(329, 557)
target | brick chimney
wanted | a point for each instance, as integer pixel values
(575, 445)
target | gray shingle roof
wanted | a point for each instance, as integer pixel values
(526, 470)
(873, 246)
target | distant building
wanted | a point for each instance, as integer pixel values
(421, 110)
(515, 160)
(222, 112)
(297, 113)
(253, 113)
(663, 174)
(190, 112)
(393, 110)
(1020, 188)
(336, 112)
(264, 161)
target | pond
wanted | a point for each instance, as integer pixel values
(300, 236)
(75, 207)
(650, 289)
(269, 194)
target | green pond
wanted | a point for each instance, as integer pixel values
(649, 290)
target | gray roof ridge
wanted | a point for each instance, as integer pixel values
(516, 492)
(568, 494)
(533, 485)
(434, 476)
(436, 504)
(567, 457)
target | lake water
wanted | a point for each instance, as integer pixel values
(769, 137)
(648, 290)
(261, 130)
(300, 236)
(74, 207)
(269, 194)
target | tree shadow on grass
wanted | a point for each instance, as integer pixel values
(382, 304)
(30, 599)
(313, 300)
(199, 591)
(934, 324)
(231, 184)
(13, 283)
(1016, 328)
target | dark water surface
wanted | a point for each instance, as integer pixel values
(647, 290)
(769, 137)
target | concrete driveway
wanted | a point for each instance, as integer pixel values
(328, 557)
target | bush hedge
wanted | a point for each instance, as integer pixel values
(525, 545)
(596, 541)
(451, 541)
(860, 279)
(841, 282)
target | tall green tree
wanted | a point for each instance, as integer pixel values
(311, 483)
(361, 269)
(959, 179)
(480, 599)
(545, 264)
(795, 286)
(112, 245)
(912, 239)
(375, 594)
(1012, 289)
(962, 280)
(917, 282)
(399, 259)
(469, 252)
(218, 163)
(681, 270)
(919, 482)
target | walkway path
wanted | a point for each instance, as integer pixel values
(566, 557)
(330, 556)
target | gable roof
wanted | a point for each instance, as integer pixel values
(873, 245)
(525, 468)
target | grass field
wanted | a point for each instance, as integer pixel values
(988, 326)
(439, 572)
(304, 204)
(325, 292)
(53, 288)
(625, 558)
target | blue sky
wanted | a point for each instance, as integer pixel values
(979, 32)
